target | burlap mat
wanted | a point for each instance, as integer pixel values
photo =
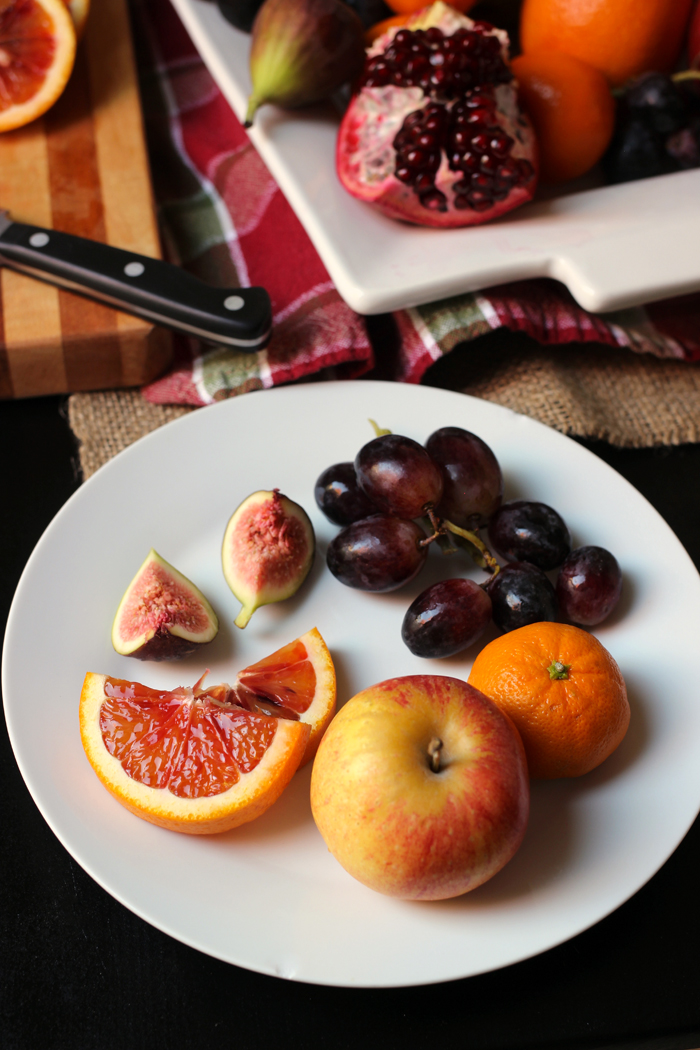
(630, 400)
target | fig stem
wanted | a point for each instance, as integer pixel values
(434, 749)
(487, 560)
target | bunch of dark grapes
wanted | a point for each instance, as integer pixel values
(657, 128)
(398, 497)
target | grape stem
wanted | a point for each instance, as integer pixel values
(435, 525)
(484, 558)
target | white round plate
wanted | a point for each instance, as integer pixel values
(269, 896)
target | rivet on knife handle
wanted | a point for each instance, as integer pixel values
(149, 288)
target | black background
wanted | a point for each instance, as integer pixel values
(79, 971)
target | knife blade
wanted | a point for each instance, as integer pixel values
(137, 284)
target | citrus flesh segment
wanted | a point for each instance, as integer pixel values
(188, 759)
(300, 678)
(37, 53)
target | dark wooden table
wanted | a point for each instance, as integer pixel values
(80, 972)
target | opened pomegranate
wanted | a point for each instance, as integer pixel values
(433, 134)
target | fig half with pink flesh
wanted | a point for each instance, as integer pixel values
(162, 615)
(267, 552)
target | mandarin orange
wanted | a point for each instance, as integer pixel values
(621, 38)
(572, 109)
(563, 691)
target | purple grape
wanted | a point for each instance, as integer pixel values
(589, 585)
(473, 482)
(520, 594)
(522, 530)
(340, 497)
(398, 475)
(377, 554)
(446, 618)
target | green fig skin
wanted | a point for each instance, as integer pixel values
(302, 51)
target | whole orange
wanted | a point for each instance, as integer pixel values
(408, 7)
(622, 38)
(572, 110)
(564, 692)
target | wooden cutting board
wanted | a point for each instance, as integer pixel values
(83, 169)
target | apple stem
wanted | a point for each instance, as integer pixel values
(434, 749)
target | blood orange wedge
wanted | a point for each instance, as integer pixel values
(188, 759)
(37, 52)
(300, 679)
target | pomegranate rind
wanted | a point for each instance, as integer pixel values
(16, 115)
(267, 551)
(162, 615)
(248, 799)
(366, 158)
(319, 714)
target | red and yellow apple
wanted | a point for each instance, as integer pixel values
(420, 787)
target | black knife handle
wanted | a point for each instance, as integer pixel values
(150, 288)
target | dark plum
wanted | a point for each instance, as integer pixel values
(446, 618)
(589, 585)
(520, 594)
(377, 554)
(472, 478)
(398, 475)
(340, 497)
(523, 530)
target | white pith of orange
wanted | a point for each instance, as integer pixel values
(56, 78)
(244, 801)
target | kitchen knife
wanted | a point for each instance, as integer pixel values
(149, 288)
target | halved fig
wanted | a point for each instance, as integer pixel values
(267, 552)
(162, 615)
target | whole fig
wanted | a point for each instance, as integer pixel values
(302, 51)
(267, 552)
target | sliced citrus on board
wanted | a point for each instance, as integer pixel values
(37, 52)
(300, 678)
(205, 759)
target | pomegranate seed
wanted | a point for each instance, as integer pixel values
(480, 142)
(489, 163)
(479, 201)
(434, 200)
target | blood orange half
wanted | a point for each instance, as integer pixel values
(37, 52)
(206, 759)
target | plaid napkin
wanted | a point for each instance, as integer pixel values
(224, 218)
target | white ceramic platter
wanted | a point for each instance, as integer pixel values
(613, 247)
(269, 896)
